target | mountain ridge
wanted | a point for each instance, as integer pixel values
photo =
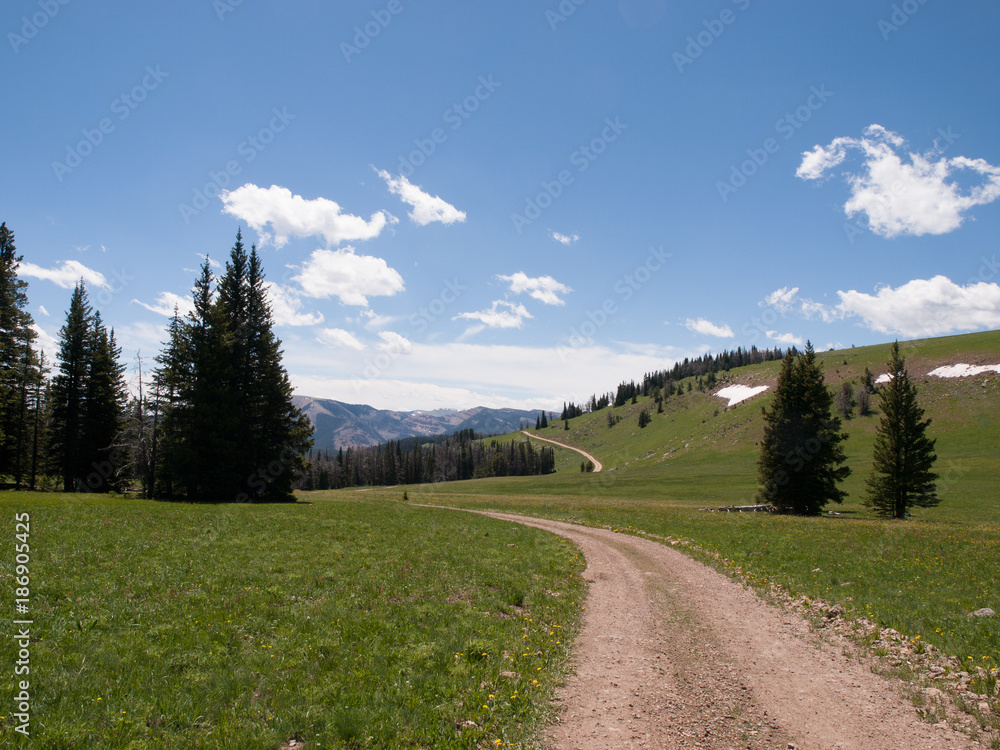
(338, 424)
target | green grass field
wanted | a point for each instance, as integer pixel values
(921, 576)
(343, 623)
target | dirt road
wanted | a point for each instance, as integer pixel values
(597, 464)
(675, 655)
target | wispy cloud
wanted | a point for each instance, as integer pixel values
(338, 338)
(426, 208)
(708, 328)
(394, 343)
(211, 261)
(66, 274)
(786, 300)
(44, 341)
(565, 239)
(502, 314)
(167, 302)
(913, 195)
(294, 216)
(543, 288)
(788, 339)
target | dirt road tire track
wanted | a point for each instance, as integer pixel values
(673, 654)
(598, 466)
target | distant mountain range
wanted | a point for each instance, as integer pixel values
(341, 425)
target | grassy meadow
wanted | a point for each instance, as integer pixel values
(921, 576)
(343, 623)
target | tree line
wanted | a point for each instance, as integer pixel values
(662, 384)
(215, 421)
(464, 455)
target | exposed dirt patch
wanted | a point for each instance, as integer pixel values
(675, 655)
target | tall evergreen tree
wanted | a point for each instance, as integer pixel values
(801, 457)
(19, 366)
(280, 434)
(903, 456)
(171, 384)
(68, 392)
(102, 458)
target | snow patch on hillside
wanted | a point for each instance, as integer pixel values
(963, 371)
(738, 393)
(951, 371)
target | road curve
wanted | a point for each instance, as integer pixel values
(673, 654)
(597, 464)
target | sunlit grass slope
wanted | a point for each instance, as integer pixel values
(341, 623)
(921, 576)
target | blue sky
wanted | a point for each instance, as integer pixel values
(510, 204)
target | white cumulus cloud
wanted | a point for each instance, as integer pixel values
(65, 274)
(352, 278)
(926, 307)
(782, 299)
(911, 194)
(502, 314)
(338, 338)
(708, 328)
(426, 208)
(918, 308)
(294, 216)
(543, 288)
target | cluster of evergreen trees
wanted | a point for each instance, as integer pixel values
(463, 455)
(87, 403)
(21, 373)
(228, 429)
(663, 383)
(802, 461)
(219, 424)
(571, 410)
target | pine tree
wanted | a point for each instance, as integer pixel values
(19, 366)
(281, 433)
(68, 392)
(903, 456)
(801, 458)
(101, 456)
(171, 383)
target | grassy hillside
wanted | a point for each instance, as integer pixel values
(702, 451)
(921, 576)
